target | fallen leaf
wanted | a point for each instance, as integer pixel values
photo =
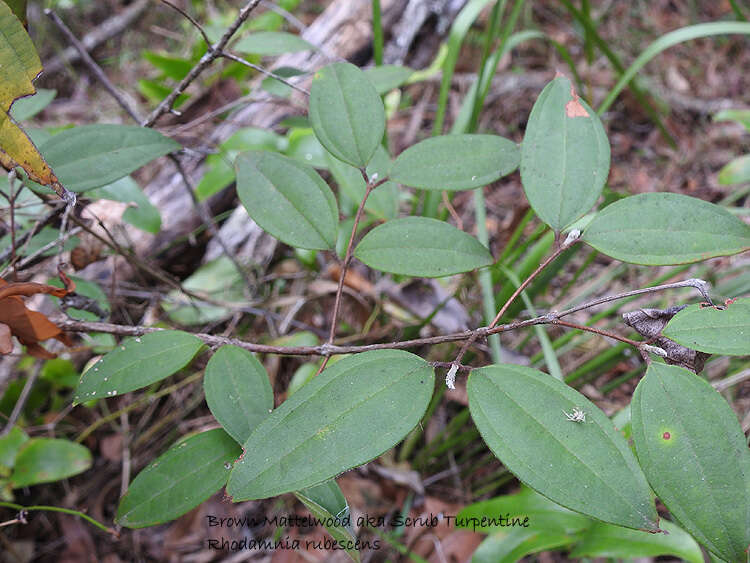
(29, 327)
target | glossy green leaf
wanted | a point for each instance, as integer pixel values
(10, 444)
(419, 246)
(455, 162)
(387, 77)
(712, 330)
(288, 199)
(178, 480)
(542, 513)
(666, 228)
(512, 546)
(140, 213)
(42, 460)
(564, 155)
(237, 391)
(606, 540)
(736, 171)
(383, 200)
(584, 466)
(349, 414)
(346, 113)
(91, 156)
(137, 362)
(271, 43)
(327, 503)
(692, 449)
(26, 108)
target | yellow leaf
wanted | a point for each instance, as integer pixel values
(19, 66)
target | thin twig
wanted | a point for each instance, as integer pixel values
(559, 250)
(214, 51)
(699, 284)
(262, 70)
(190, 19)
(21, 402)
(349, 252)
(598, 331)
(47, 247)
(95, 68)
(103, 32)
(89, 519)
(205, 215)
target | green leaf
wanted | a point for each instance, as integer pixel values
(585, 466)
(741, 116)
(564, 155)
(542, 514)
(712, 330)
(692, 449)
(419, 246)
(85, 288)
(346, 113)
(219, 279)
(43, 460)
(455, 162)
(288, 199)
(10, 445)
(26, 108)
(274, 86)
(272, 43)
(137, 362)
(736, 171)
(141, 213)
(513, 546)
(91, 156)
(175, 68)
(19, 9)
(387, 77)
(178, 480)
(304, 146)
(327, 503)
(349, 414)
(237, 391)
(606, 540)
(665, 228)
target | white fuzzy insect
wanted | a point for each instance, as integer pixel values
(576, 416)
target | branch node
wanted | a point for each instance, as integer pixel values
(450, 378)
(571, 238)
(653, 349)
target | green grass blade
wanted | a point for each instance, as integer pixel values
(670, 39)
(377, 34)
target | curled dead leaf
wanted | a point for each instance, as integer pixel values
(650, 323)
(29, 327)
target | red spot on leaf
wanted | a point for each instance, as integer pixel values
(666, 436)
